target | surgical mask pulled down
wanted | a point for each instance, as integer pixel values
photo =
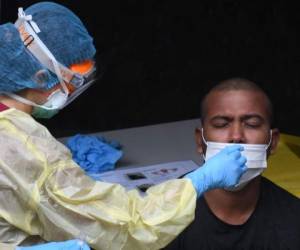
(256, 155)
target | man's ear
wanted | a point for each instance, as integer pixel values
(199, 140)
(275, 140)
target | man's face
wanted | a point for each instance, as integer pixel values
(236, 116)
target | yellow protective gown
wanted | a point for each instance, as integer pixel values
(43, 192)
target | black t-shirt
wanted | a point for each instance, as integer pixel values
(274, 225)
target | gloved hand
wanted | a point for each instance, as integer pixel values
(94, 154)
(64, 245)
(220, 171)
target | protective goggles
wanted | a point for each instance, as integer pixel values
(88, 79)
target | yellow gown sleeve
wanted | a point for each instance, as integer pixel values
(4, 246)
(10, 236)
(44, 193)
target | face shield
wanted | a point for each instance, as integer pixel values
(71, 84)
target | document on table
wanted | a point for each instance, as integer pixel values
(144, 177)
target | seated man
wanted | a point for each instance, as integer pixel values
(256, 213)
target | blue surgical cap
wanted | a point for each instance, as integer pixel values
(19, 69)
(61, 31)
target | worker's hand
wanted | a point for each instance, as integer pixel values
(220, 171)
(64, 245)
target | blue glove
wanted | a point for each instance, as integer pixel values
(64, 245)
(93, 153)
(220, 171)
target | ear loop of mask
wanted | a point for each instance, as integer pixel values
(205, 142)
(203, 137)
(28, 102)
(270, 141)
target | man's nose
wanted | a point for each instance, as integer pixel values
(236, 134)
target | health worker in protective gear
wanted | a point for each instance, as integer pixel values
(46, 62)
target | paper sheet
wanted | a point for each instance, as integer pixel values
(143, 177)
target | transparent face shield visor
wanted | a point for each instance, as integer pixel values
(88, 79)
(61, 97)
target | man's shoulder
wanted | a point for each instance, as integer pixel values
(279, 198)
(281, 214)
(271, 186)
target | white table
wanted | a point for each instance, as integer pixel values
(166, 142)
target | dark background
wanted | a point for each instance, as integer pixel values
(160, 57)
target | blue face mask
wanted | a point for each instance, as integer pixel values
(39, 112)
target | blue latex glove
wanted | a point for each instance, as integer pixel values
(94, 154)
(64, 245)
(220, 171)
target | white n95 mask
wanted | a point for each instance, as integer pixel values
(256, 155)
